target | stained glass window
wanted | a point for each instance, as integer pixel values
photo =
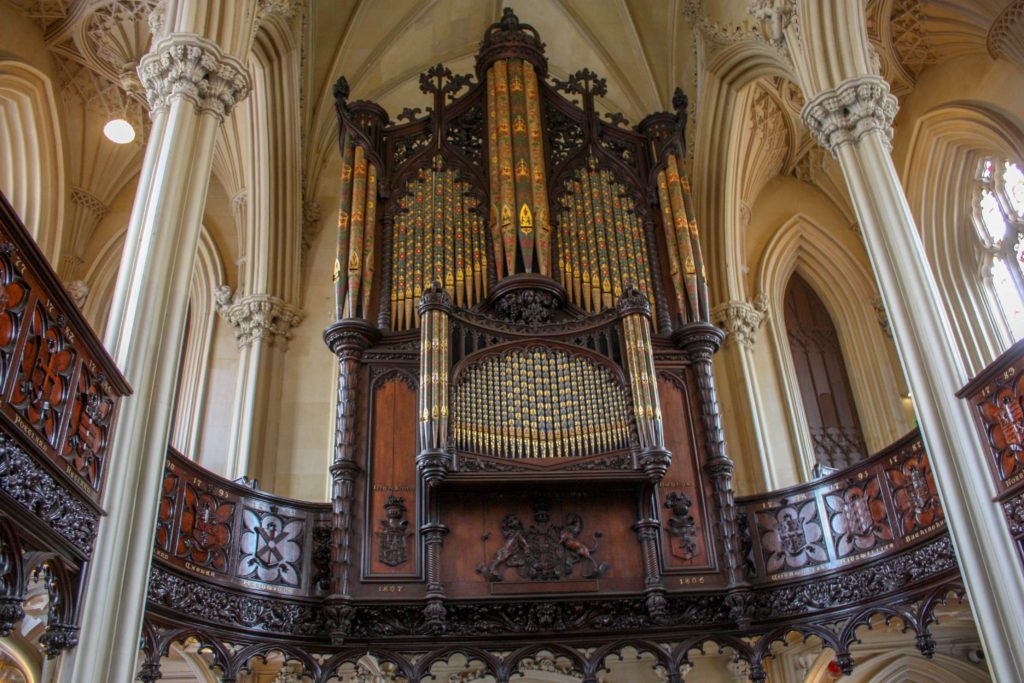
(999, 222)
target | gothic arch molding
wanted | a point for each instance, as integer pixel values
(847, 290)
(32, 163)
(716, 158)
(946, 146)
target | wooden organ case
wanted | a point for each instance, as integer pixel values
(526, 405)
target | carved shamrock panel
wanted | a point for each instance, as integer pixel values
(1003, 416)
(914, 493)
(271, 547)
(86, 444)
(205, 532)
(165, 511)
(858, 518)
(14, 293)
(791, 537)
(41, 391)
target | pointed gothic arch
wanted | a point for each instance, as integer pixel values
(847, 290)
(31, 153)
(945, 149)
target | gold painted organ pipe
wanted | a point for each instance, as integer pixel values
(494, 169)
(541, 212)
(698, 257)
(683, 242)
(352, 267)
(369, 240)
(506, 165)
(344, 206)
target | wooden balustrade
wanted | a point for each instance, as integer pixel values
(59, 392)
(996, 397)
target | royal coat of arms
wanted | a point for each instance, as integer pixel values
(545, 551)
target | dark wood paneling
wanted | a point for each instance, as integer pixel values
(821, 374)
(392, 474)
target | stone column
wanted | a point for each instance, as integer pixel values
(263, 325)
(850, 112)
(741, 320)
(193, 75)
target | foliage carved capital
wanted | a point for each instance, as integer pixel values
(857, 107)
(194, 68)
(258, 317)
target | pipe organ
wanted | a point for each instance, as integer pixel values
(528, 443)
(503, 264)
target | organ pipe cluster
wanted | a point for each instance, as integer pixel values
(601, 240)
(686, 263)
(435, 365)
(357, 227)
(643, 378)
(540, 402)
(437, 236)
(520, 226)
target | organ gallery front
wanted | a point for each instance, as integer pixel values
(528, 451)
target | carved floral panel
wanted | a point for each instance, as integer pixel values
(204, 535)
(40, 393)
(165, 511)
(14, 293)
(1002, 414)
(792, 537)
(270, 549)
(85, 446)
(857, 518)
(914, 493)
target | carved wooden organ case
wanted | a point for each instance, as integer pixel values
(526, 405)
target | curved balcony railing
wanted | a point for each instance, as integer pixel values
(250, 563)
(878, 507)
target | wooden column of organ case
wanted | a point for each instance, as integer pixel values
(528, 443)
(529, 415)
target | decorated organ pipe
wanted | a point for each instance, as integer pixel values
(520, 225)
(357, 208)
(492, 415)
(602, 246)
(438, 236)
(678, 219)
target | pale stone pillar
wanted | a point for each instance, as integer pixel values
(193, 75)
(850, 111)
(263, 325)
(740, 320)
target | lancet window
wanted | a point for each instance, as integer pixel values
(999, 223)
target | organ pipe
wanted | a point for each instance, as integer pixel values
(438, 235)
(520, 225)
(492, 415)
(602, 246)
(357, 225)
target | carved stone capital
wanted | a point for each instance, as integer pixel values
(857, 107)
(740, 319)
(189, 66)
(259, 317)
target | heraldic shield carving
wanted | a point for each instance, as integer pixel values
(545, 551)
